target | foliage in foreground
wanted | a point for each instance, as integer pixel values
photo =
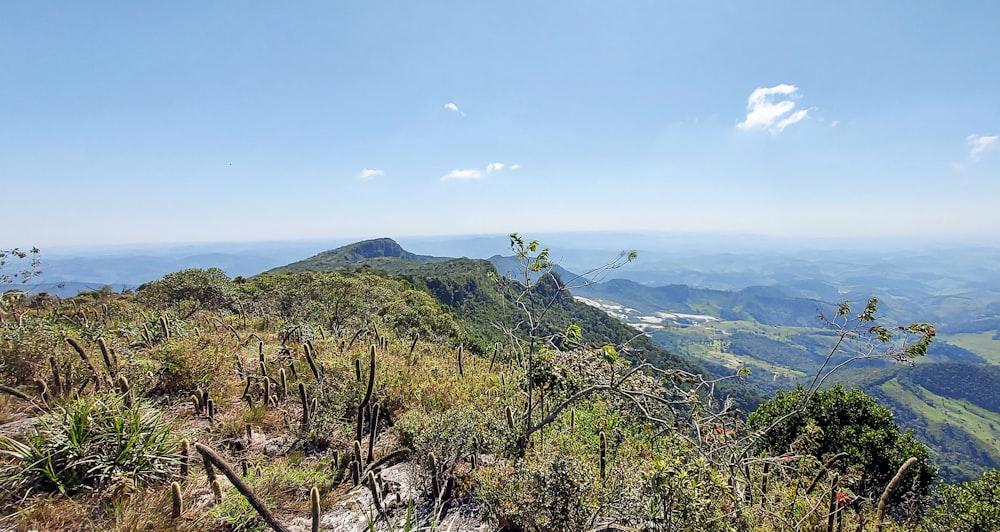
(92, 443)
(973, 506)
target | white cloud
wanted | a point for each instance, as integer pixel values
(453, 108)
(980, 144)
(772, 109)
(468, 173)
(368, 173)
(494, 166)
(515, 167)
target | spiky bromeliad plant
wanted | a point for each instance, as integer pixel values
(91, 443)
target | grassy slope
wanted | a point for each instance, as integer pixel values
(982, 344)
(941, 416)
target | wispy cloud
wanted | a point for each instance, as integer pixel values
(454, 108)
(772, 109)
(368, 173)
(981, 144)
(465, 174)
(475, 173)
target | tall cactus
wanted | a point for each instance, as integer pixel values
(211, 457)
(372, 429)
(177, 502)
(185, 457)
(604, 455)
(314, 509)
(305, 406)
(435, 478)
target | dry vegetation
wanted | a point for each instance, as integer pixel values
(308, 387)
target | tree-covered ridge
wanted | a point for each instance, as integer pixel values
(380, 252)
(977, 383)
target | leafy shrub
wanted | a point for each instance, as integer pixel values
(191, 290)
(20, 343)
(970, 507)
(91, 443)
(839, 420)
(187, 365)
(557, 492)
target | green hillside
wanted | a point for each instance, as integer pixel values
(965, 437)
(477, 294)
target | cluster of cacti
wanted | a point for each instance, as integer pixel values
(165, 327)
(355, 464)
(308, 349)
(83, 355)
(203, 404)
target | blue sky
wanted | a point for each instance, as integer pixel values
(134, 122)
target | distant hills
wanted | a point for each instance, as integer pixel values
(768, 305)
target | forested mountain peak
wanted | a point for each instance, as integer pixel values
(374, 252)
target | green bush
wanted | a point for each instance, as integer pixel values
(841, 420)
(554, 492)
(970, 507)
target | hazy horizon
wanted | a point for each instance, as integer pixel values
(597, 240)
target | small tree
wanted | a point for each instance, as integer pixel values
(535, 290)
(16, 266)
(23, 272)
